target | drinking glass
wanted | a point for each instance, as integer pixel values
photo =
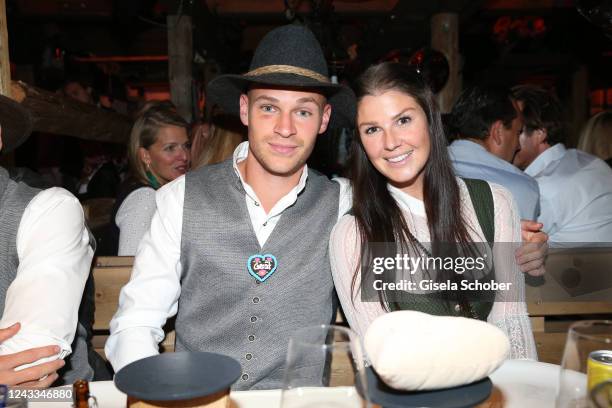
(324, 368)
(601, 395)
(578, 377)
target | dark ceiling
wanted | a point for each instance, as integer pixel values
(545, 40)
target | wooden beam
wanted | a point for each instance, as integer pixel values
(55, 113)
(5, 64)
(245, 7)
(180, 53)
(126, 58)
(579, 104)
(445, 38)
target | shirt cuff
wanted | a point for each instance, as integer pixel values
(130, 345)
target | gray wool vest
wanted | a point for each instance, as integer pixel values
(14, 198)
(222, 308)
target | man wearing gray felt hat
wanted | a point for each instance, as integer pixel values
(238, 251)
(45, 257)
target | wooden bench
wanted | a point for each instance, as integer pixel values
(550, 319)
(110, 275)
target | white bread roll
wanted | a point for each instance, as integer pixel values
(416, 351)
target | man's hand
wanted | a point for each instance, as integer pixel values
(40, 376)
(530, 256)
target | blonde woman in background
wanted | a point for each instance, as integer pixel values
(158, 152)
(596, 136)
(216, 142)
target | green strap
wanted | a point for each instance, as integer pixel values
(482, 200)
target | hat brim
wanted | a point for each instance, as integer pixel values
(225, 91)
(15, 124)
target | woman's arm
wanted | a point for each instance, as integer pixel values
(134, 219)
(509, 311)
(344, 255)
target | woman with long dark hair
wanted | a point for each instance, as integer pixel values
(406, 196)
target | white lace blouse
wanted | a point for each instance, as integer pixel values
(509, 313)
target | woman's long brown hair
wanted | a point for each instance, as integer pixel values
(379, 218)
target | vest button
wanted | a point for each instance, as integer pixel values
(251, 338)
(248, 356)
(253, 319)
(265, 223)
(457, 308)
(256, 203)
(245, 377)
(255, 299)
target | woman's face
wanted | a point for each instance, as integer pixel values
(169, 156)
(395, 135)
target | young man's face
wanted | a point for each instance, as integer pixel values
(283, 127)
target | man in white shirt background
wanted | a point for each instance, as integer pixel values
(45, 256)
(575, 187)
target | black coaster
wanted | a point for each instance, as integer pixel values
(178, 376)
(463, 396)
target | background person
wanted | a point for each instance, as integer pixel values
(216, 142)
(575, 187)
(596, 136)
(487, 122)
(45, 256)
(158, 153)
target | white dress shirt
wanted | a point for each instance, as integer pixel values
(54, 260)
(152, 294)
(472, 160)
(575, 196)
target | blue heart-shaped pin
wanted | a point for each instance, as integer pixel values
(261, 267)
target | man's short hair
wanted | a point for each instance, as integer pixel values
(477, 109)
(541, 110)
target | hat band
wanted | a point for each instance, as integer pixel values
(288, 69)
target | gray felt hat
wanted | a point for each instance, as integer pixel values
(287, 56)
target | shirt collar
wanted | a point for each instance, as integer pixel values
(242, 151)
(467, 144)
(548, 156)
(407, 202)
(468, 151)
